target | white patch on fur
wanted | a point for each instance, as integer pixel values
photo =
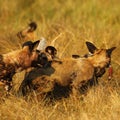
(42, 44)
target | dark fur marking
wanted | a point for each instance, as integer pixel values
(37, 72)
(75, 56)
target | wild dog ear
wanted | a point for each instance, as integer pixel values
(31, 44)
(36, 43)
(51, 50)
(109, 51)
(28, 43)
(91, 47)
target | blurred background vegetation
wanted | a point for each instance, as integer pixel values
(94, 20)
(69, 23)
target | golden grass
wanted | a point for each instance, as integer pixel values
(66, 25)
(99, 104)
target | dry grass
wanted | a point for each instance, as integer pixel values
(99, 104)
(66, 25)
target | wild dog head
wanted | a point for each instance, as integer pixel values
(100, 57)
(45, 57)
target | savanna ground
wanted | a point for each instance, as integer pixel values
(66, 24)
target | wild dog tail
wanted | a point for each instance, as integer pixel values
(29, 29)
(33, 26)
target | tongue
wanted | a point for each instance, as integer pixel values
(110, 72)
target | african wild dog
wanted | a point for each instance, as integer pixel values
(16, 60)
(71, 72)
(41, 66)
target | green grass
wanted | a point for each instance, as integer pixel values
(69, 24)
